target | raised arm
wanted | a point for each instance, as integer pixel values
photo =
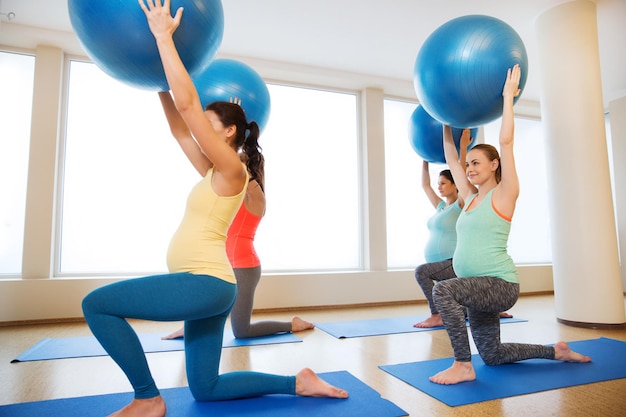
(457, 168)
(506, 193)
(427, 187)
(183, 135)
(186, 99)
(466, 139)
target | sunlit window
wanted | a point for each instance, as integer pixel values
(312, 182)
(529, 241)
(408, 209)
(125, 181)
(16, 72)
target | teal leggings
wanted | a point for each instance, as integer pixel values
(204, 303)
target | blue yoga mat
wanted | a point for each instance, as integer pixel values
(525, 377)
(377, 327)
(363, 401)
(80, 347)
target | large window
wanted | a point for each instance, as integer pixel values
(529, 241)
(125, 180)
(312, 182)
(16, 72)
(408, 209)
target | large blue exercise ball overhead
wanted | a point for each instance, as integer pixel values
(116, 36)
(426, 136)
(224, 79)
(461, 68)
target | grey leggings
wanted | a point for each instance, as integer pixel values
(484, 298)
(427, 274)
(247, 280)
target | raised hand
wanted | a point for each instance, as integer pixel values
(159, 17)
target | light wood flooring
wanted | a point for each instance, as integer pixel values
(35, 381)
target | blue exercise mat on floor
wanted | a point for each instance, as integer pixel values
(79, 347)
(524, 377)
(363, 401)
(377, 327)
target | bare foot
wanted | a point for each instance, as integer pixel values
(432, 321)
(308, 384)
(178, 334)
(298, 325)
(150, 407)
(562, 352)
(458, 372)
(505, 315)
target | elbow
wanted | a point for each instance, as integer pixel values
(184, 106)
(184, 102)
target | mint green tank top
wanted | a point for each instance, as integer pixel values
(482, 236)
(442, 227)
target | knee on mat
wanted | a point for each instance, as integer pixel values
(202, 393)
(240, 333)
(490, 360)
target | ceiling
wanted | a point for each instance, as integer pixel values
(374, 38)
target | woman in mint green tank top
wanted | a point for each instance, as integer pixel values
(487, 280)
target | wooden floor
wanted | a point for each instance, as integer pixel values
(34, 381)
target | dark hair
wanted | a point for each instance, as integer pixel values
(247, 139)
(492, 154)
(446, 173)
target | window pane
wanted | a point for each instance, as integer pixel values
(17, 71)
(529, 241)
(125, 182)
(408, 209)
(312, 182)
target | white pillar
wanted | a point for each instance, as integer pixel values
(587, 284)
(617, 115)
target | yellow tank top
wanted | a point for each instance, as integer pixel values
(199, 244)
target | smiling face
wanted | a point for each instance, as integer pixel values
(479, 167)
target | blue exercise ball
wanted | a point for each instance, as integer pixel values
(426, 136)
(225, 79)
(461, 68)
(116, 36)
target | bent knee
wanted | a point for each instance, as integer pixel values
(203, 392)
(491, 360)
(241, 332)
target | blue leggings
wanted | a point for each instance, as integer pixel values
(204, 303)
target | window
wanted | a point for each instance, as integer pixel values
(17, 71)
(312, 182)
(408, 209)
(529, 241)
(125, 180)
